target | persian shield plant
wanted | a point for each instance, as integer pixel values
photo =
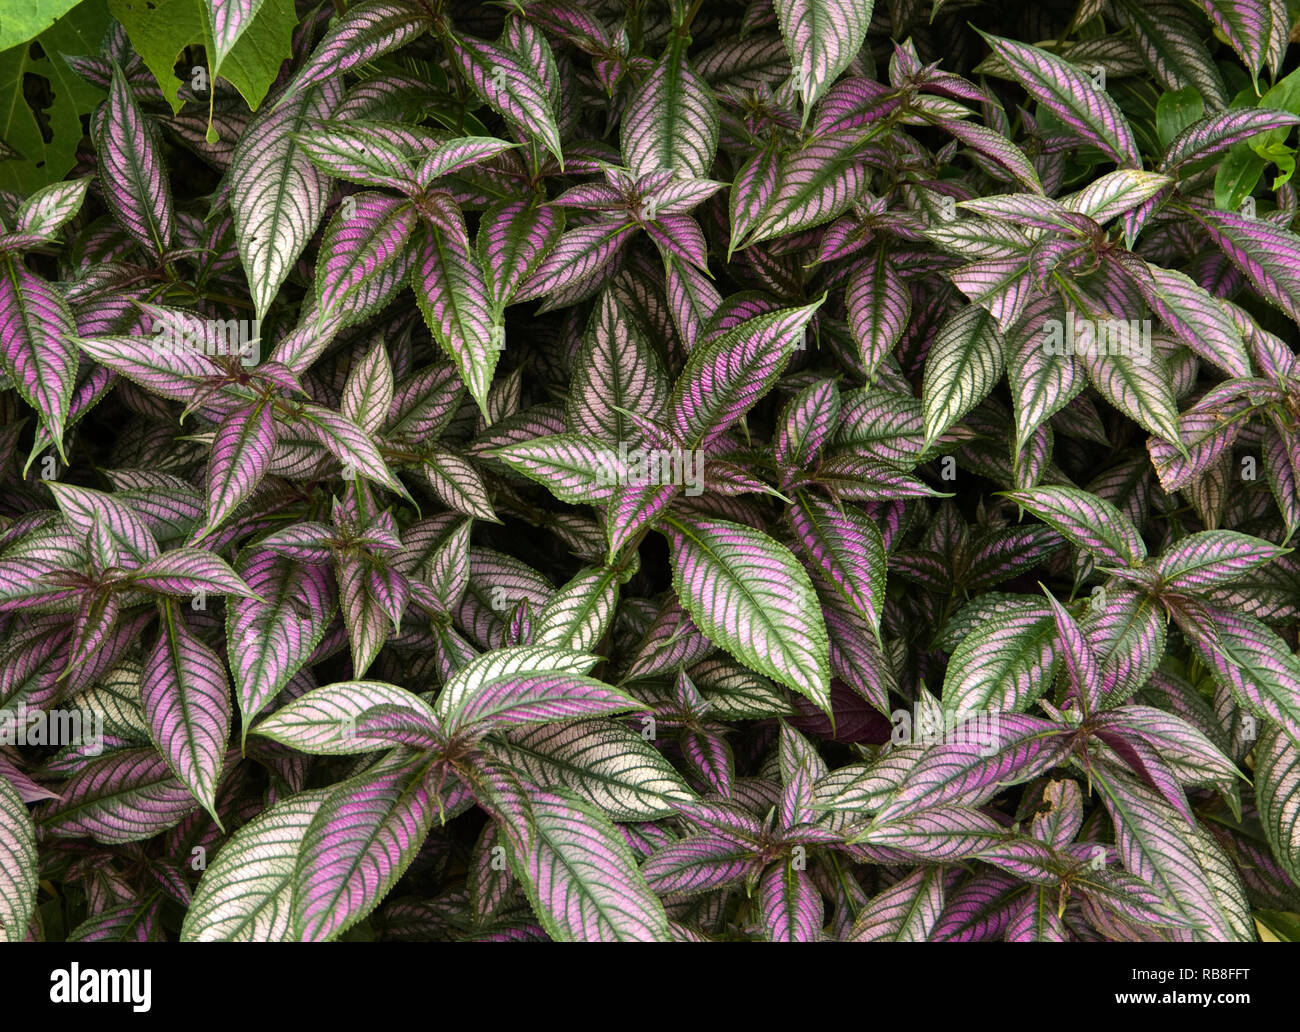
(585, 470)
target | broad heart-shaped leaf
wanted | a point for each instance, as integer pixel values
(904, 912)
(821, 37)
(268, 641)
(1249, 659)
(847, 548)
(125, 796)
(365, 256)
(135, 182)
(241, 456)
(187, 703)
(360, 842)
(453, 297)
(1069, 93)
(277, 196)
(525, 684)
(337, 719)
(724, 378)
(616, 368)
(577, 869)
(603, 761)
(1206, 559)
(36, 344)
(1090, 522)
(747, 593)
(1277, 794)
(1003, 665)
(671, 121)
(965, 362)
(1156, 845)
(229, 19)
(18, 865)
(246, 893)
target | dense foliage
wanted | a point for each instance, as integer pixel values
(586, 469)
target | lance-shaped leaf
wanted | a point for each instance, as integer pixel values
(453, 297)
(1209, 137)
(242, 450)
(724, 378)
(578, 254)
(187, 571)
(580, 875)
(747, 593)
(977, 759)
(18, 865)
(367, 31)
(187, 704)
(905, 912)
(511, 84)
(277, 196)
(1157, 846)
(525, 685)
(604, 762)
(579, 613)
(821, 37)
(1003, 665)
(269, 638)
(701, 863)
(513, 238)
(365, 256)
(126, 796)
(790, 905)
(1082, 668)
(246, 893)
(1256, 29)
(169, 372)
(806, 425)
(348, 443)
(82, 506)
(1116, 193)
(671, 121)
(965, 362)
(1268, 256)
(938, 835)
(38, 353)
(879, 305)
(575, 468)
(335, 719)
(816, 183)
(847, 548)
(615, 369)
(1066, 91)
(1090, 522)
(1195, 316)
(1277, 794)
(1201, 561)
(131, 171)
(46, 211)
(1249, 659)
(361, 840)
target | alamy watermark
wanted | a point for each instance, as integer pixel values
(918, 727)
(54, 727)
(239, 337)
(640, 467)
(1078, 336)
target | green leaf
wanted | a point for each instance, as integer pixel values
(20, 22)
(1175, 111)
(40, 163)
(160, 29)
